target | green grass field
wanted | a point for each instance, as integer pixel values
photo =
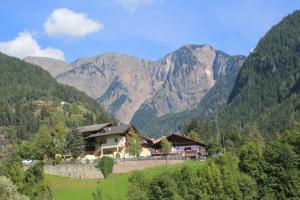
(81, 189)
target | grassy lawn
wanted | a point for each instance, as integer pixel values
(81, 189)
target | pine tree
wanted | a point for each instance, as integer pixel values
(75, 144)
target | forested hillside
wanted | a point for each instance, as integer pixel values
(30, 99)
(266, 93)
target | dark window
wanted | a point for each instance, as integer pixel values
(116, 140)
(187, 148)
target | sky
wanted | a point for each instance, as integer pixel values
(149, 29)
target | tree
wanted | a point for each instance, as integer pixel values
(282, 169)
(166, 147)
(193, 135)
(138, 187)
(34, 185)
(248, 187)
(74, 144)
(134, 145)
(9, 191)
(106, 165)
(43, 144)
(200, 131)
(252, 161)
(163, 187)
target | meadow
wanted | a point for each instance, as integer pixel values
(114, 187)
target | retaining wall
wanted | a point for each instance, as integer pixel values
(88, 170)
(74, 170)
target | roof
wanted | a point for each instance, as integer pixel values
(159, 139)
(112, 130)
(91, 128)
(176, 140)
(187, 141)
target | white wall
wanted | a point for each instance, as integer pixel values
(180, 149)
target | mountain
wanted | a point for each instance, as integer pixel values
(30, 99)
(147, 120)
(121, 83)
(53, 66)
(126, 85)
(266, 93)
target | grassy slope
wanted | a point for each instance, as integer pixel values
(72, 189)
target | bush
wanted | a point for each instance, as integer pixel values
(138, 188)
(9, 191)
(106, 165)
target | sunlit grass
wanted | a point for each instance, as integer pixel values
(114, 186)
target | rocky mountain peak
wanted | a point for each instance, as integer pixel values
(123, 84)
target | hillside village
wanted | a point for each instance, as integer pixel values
(113, 141)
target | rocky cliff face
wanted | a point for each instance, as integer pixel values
(125, 85)
(121, 83)
(225, 68)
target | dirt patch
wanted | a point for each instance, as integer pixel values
(128, 166)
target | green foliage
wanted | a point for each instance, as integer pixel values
(138, 188)
(252, 161)
(220, 179)
(29, 182)
(266, 91)
(98, 195)
(8, 191)
(34, 184)
(106, 165)
(75, 144)
(248, 187)
(163, 187)
(166, 146)
(134, 145)
(275, 167)
(30, 98)
(200, 131)
(282, 169)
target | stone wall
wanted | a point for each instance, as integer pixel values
(74, 170)
(88, 170)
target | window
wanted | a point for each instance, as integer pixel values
(116, 140)
(187, 149)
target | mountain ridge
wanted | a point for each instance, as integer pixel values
(174, 83)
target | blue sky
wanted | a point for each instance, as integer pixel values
(70, 29)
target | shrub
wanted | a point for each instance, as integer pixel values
(9, 191)
(138, 188)
(106, 165)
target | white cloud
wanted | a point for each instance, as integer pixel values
(134, 4)
(25, 45)
(63, 21)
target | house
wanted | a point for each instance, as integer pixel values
(181, 147)
(109, 140)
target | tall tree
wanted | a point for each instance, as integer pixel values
(166, 147)
(75, 144)
(134, 145)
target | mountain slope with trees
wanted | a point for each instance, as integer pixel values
(266, 93)
(30, 99)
